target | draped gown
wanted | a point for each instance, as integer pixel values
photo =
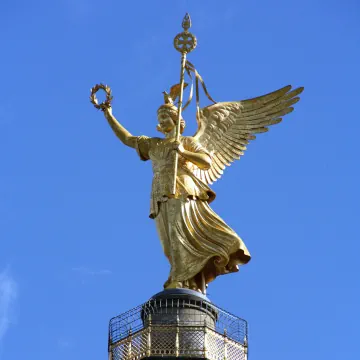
(197, 242)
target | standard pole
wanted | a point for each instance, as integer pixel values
(184, 43)
(178, 125)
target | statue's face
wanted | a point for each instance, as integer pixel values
(165, 121)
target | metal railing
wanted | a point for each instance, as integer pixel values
(178, 341)
(156, 329)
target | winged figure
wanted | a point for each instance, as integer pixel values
(198, 244)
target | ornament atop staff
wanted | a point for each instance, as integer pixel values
(185, 42)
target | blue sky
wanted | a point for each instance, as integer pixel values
(77, 246)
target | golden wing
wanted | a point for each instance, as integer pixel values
(224, 129)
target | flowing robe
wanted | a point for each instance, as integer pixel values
(194, 238)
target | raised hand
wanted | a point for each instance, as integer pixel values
(107, 110)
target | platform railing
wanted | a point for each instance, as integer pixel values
(177, 341)
(178, 328)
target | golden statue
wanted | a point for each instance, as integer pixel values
(198, 244)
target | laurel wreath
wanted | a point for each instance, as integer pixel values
(94, 100)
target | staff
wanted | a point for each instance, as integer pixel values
(184, 42)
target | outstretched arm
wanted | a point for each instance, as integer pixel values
(125, 137)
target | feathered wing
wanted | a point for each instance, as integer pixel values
(224, 129)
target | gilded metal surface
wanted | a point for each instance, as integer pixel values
(198, 244)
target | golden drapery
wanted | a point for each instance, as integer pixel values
(194, 238)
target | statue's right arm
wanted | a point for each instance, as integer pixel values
(124, 135)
